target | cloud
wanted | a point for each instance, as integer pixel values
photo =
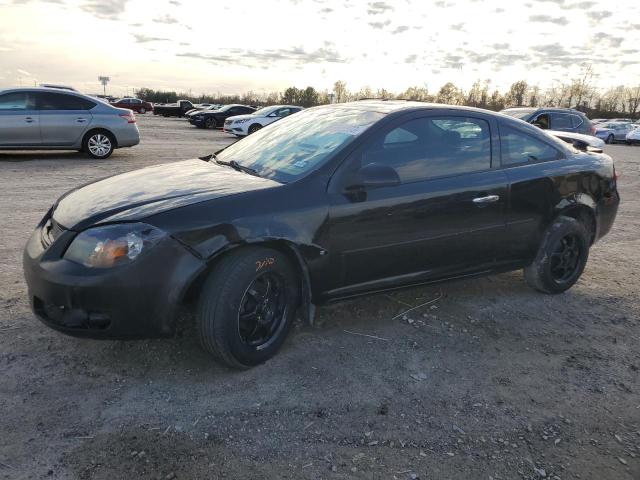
(265, 58)
(380, 25)
(378, 8)
(411, 59)
(23, 72)
(611, 39)
(105, 9)
(144, 39)
(549, 19)
(175, 3)
(400, 29)
(457, 26)
(580, 5)
(326, 10)
(599, 15)
(166, 19)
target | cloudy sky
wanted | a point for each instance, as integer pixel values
(263, 45)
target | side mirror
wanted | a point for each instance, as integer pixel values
(374, 175)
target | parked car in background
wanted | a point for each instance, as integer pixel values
(623, 120)
(580, 141)
(53, 119)
(59, 87)
(633, 137)
(216, 118)
(135, 104)
(241, 125)
(330, 203)
(561, 119)
(597, 120)
(173, 109)
(199, 108)
(612, 132)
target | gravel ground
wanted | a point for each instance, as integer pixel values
(491, 380)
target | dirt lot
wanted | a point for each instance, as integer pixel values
(492, 380)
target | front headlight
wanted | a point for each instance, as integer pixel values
(244, 120)
(112, 245)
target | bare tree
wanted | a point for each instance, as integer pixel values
(632, 100)
(517, 92)
(340, 91)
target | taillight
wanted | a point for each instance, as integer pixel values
(129, 117)
(593, 130)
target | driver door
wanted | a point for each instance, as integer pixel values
(446, 215)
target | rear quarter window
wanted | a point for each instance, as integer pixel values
(520, 148)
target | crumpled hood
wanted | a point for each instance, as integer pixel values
(141, 193)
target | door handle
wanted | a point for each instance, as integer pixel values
(81, 120)
(485, 200)
(28, 120)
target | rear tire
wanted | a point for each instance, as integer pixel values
(210, 123)
(609, 139)
(99, 144)
(561, 257)
(247, 306)
(142, 111)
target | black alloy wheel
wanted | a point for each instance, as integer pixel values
(262, 310)
(566, 258)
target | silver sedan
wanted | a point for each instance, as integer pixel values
(612, 132)
(52, 119)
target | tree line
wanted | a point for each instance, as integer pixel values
(579, 93)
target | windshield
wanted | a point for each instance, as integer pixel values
(520, 113)
(294, 146)
(264, 111)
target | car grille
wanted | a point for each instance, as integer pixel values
(50, 232)
(228, 122)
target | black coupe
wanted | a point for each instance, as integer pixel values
(333, 202)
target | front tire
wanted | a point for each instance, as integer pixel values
(609, 139)
(254, 128)
(561, 257)
(99, 145)
(247, 306)
(142, 110)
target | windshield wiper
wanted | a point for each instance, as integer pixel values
(235, 165)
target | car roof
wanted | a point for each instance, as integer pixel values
(553, 109)
(43, 89)
(391, 106)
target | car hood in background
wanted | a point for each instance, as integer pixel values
(245, 116)
(588, 140)
(140, 193)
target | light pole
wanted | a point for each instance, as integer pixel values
(104, 81)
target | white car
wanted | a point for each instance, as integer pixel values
(242, 125)
(579, 140)
(633, 137)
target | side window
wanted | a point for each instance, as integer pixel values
(560, 121)
(576, 120)
(58, 101)
(542, 121)
(518, 148)
(283, 112)
(15, 101)
(433, 147)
